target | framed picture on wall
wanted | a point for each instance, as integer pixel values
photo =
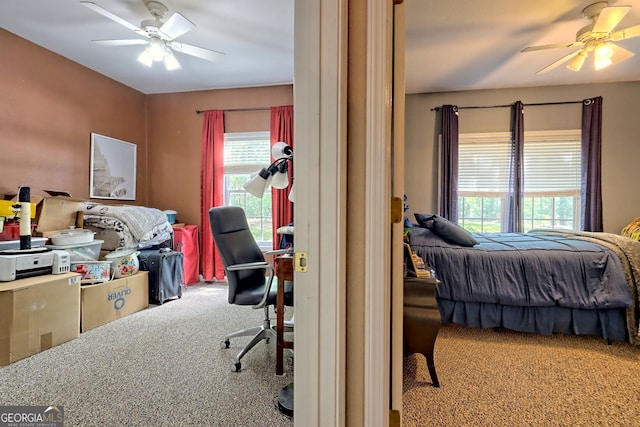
(112, 169)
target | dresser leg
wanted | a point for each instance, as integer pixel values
(432, 369)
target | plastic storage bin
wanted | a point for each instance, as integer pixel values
(82, 251)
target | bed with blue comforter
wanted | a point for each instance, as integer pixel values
(542, 281)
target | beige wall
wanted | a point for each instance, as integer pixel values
(49, 106)
(620, 137)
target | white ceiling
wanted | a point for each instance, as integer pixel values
(450, 44)
(255, 35)
(475, 44)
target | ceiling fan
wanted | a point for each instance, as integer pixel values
(597, 37)
(158, 34)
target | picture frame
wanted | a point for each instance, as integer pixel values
(112, 168)
(410, 269)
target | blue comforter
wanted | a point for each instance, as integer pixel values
(534, 269)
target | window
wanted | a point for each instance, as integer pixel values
(245, 153)
(552, 177)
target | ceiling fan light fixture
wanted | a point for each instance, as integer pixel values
(602, 55)
(159, 35)
(170, 61)
(156, 49)
(597, 37)
(145, 57)
(577, 62)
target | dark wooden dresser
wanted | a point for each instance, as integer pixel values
(421, 320)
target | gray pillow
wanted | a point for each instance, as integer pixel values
(425, 220)
(446, 229)
(453, 233)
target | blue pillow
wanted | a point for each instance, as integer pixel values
(425, 220)
(446, 229)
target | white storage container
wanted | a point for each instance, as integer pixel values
(72, 237)
(81, 251)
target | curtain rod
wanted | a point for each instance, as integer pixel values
(238, 109)
(510, 105)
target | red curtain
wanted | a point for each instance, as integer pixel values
(282, 130)
(211, 189)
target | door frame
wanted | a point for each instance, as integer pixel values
(320, 212)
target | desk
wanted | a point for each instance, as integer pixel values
(284, 271)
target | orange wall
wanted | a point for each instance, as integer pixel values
(49, 106)
(175, 138)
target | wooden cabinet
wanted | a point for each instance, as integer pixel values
(421, 320)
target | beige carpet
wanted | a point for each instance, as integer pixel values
(506, 378)
(163, 367)
(160, 367)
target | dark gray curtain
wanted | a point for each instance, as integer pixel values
(449, 163)
(591, 197)
(516, 178)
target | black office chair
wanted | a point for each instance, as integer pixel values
(249, 276)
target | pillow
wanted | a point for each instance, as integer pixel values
(452, 232)
(446, 229)
(425, 220)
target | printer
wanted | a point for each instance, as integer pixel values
(21, 263)
(18, 259)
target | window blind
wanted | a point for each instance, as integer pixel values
(552, 162)
(483, 164)
(552, 165)
(247, 149)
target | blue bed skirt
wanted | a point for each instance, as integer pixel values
(606, 323)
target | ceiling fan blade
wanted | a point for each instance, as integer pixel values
(559, 62)
(626, 33)
(115, 18)
(122, 42)
(176, 26)
(551, 46)
(619, 54)
(610, 17)
(209, 55)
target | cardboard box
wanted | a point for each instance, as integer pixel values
(106, 302)
(38, 313)
(56, 213)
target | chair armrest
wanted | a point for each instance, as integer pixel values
(255, 266)
(267, 288)
(249, 266)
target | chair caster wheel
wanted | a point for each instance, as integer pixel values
(235, 367)
(225, 344)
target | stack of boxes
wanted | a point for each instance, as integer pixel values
(105, 302)
(40, 312)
